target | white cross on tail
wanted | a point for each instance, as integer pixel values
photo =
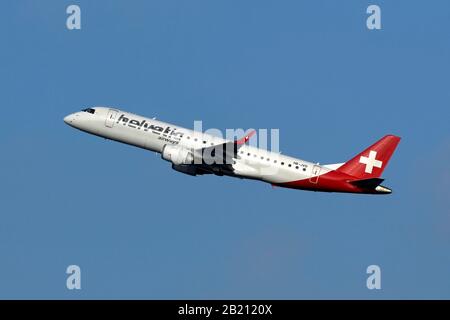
(370, 161)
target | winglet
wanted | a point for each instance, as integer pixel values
(246, 138)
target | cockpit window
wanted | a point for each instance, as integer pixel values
(89, 110)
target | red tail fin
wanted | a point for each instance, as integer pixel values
(371, 162)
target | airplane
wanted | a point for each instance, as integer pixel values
(197, 153)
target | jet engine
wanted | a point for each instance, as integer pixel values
(177, 155)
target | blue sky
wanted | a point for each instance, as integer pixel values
(140, 230)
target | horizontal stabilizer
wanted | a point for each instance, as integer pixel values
(367, 183)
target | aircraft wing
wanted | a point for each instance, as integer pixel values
(217, 159)
(225, 152)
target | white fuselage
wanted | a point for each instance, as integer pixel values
(151, 134)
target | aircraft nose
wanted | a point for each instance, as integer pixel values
(69, 119)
